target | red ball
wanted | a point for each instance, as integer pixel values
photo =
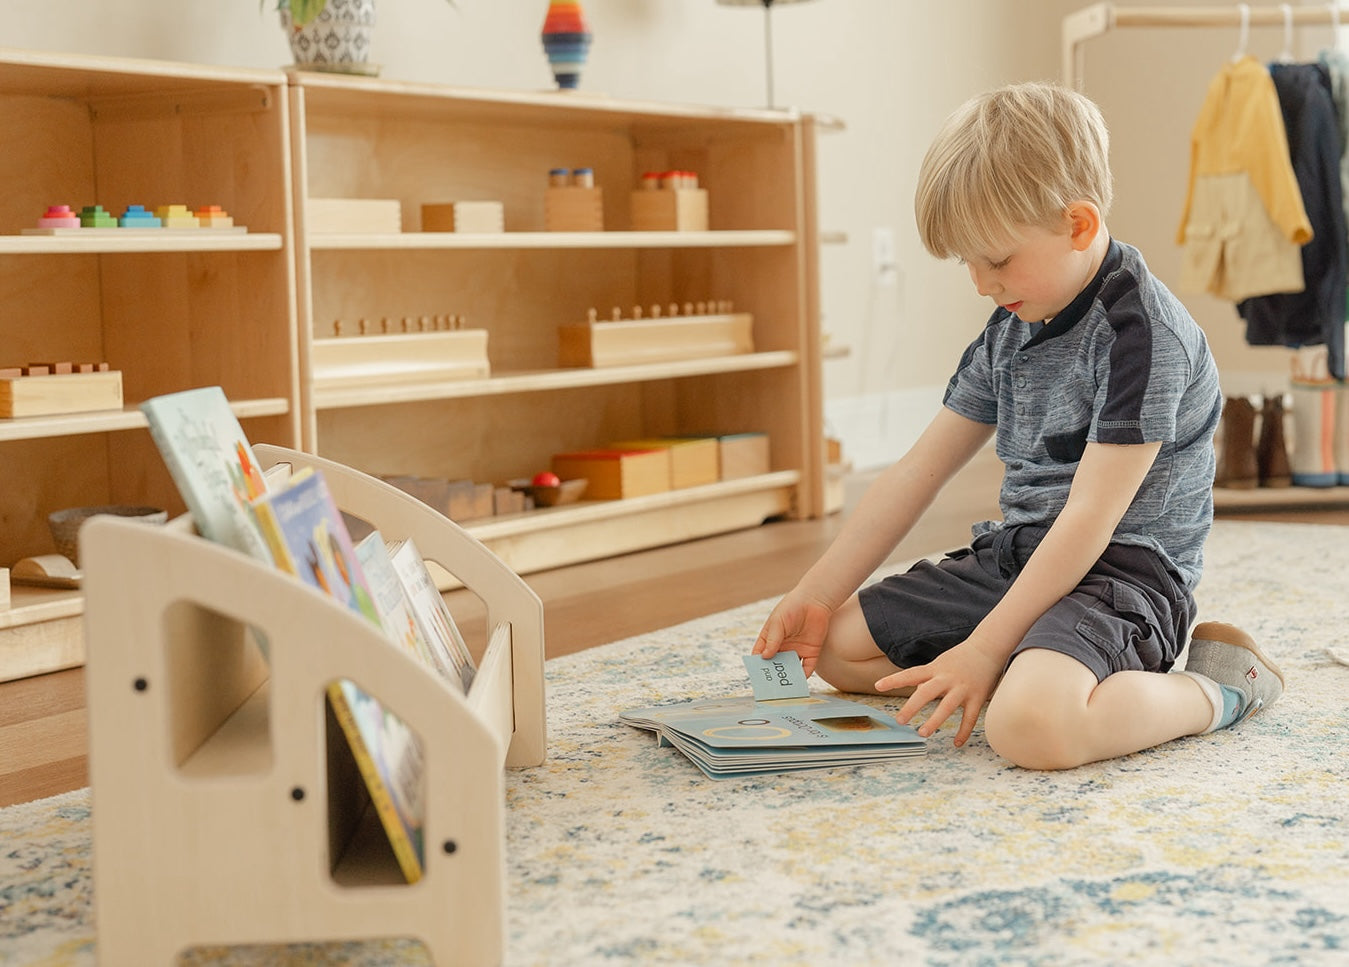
(546, 478)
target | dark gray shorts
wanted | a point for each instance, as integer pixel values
(1129, 612)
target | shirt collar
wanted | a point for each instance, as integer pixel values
(1075, 310)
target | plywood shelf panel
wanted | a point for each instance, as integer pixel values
(543, 381)
(109, 244)
(127, 418)
(551, 240)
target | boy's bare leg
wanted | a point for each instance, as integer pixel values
(1049, 712)
(851, 660)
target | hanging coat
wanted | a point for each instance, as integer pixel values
(1314, 316)
(1243, 223)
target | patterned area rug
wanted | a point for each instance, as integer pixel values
(1227, 848)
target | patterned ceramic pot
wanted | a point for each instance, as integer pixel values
(338, 39)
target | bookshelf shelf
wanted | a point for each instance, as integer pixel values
(127, 418)
(134, 244)
(552, 240)
(193, 732)
(548, 380)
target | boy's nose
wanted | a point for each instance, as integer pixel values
(984, 282)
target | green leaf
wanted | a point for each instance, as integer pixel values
(303, 11)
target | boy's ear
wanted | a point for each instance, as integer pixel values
(1084, 222)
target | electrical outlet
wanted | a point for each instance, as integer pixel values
(883, 264)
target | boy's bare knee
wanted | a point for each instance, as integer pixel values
(844, 675)
(1033, 735)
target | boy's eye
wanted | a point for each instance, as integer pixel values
(1000, 265)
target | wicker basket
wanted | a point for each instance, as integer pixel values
(65, 524)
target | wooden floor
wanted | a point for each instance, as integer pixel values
(43, 735)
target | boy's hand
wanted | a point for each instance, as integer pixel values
(962, 678)
(798, 624)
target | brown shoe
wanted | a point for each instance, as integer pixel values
(1237, 464)
(1272, 451)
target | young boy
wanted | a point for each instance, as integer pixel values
(1102, 397)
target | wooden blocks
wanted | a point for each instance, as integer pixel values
(613, 474)
(459, 500)
(694, 461)
(625, 342)
(743, 455)
(45, 389)
(134, 220)
(669, 210)
(574, 208)
(360, 216)
(464, 216)
(406, 357)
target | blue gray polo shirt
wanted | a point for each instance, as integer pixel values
(1124, 363)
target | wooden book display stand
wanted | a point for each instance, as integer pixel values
(218, 818)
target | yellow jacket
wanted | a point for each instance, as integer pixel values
(1243, 224)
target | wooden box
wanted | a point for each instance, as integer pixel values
(409, 357)
(374, 216)
(459, 500)
(744, 455)
(60, 393)
(694, 461)
(464, 216)
(669, 210)
(626, 342)
(613, 474)
(573, 208)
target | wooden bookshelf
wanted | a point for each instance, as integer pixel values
(419, 143)
(169, 311)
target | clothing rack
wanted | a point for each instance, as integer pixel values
(1101, 18)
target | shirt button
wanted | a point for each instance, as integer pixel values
(1021, 381)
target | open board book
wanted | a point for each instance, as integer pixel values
(790, 731)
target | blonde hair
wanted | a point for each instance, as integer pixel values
(1017, 156)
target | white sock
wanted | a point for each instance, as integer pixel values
(1214, 694)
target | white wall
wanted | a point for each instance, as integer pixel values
(890, 69)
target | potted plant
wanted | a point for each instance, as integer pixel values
(332, 35)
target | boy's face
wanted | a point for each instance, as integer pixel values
(1035, 274)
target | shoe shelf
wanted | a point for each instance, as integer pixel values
(1237, 499)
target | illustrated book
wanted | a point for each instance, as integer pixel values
(742, 735)
(450, 653)
(309, 539)
(212, 464)
(391, 600)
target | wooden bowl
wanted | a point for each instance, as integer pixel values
(567, 492)
(65, 524)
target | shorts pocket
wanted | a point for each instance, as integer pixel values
(1122, 623)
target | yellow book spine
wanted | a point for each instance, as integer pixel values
(403, 850)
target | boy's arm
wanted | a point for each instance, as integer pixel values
(886, 512)
(1104, 486)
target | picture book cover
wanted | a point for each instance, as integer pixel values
(212, 464)
(391, 601)
(391, 761)
(309, 539)
(451, 654)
